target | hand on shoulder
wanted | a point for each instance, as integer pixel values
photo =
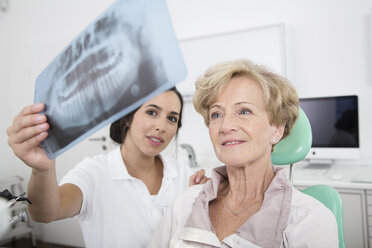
(198, 178)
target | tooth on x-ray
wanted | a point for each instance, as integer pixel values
(115, 64)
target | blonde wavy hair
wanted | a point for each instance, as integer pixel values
(279, 95)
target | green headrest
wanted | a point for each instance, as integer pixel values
(296, 145)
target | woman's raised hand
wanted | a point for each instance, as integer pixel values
(198, 178)
(28, 129)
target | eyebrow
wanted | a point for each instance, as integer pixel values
(238, 103)
(160, 108)
(154, 106)
(214, 106)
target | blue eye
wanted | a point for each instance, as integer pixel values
(215, 116)
(245, 112)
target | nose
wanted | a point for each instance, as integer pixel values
(161, 125)
(228, 124)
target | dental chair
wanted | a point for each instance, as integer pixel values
(294, 148)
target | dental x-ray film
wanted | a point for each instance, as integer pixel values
(126, 56)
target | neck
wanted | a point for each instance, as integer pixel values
(247, 183)
(139, 164)
(148, 169)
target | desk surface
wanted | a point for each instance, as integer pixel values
(342, 174)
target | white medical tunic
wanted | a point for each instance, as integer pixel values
(117, 209)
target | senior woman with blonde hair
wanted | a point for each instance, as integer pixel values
(248, 202)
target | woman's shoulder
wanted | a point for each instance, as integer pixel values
(308, 221)
(95, 161)
(300, 199)
(192, 191)
(91, 169)
(188, 196)
(99, 161)
(305, 206)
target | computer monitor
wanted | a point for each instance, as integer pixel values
(335, 127)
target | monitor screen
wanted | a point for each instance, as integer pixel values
(335, 127)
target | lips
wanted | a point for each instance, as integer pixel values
(157, 141)
(232, 142)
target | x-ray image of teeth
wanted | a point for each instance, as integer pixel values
(123, 58)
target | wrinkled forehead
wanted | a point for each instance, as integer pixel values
(239, 88)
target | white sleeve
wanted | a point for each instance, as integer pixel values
(311, 224)
(82, 176)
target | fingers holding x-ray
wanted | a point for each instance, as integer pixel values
(105, 72)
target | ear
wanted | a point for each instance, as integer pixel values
(278, 134)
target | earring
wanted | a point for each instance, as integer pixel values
(274, 140)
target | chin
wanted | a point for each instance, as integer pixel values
(154, 152)
(231, 160)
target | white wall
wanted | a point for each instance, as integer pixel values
(330, 48)
(329, 42)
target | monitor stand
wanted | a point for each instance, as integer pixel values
(319, 163)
